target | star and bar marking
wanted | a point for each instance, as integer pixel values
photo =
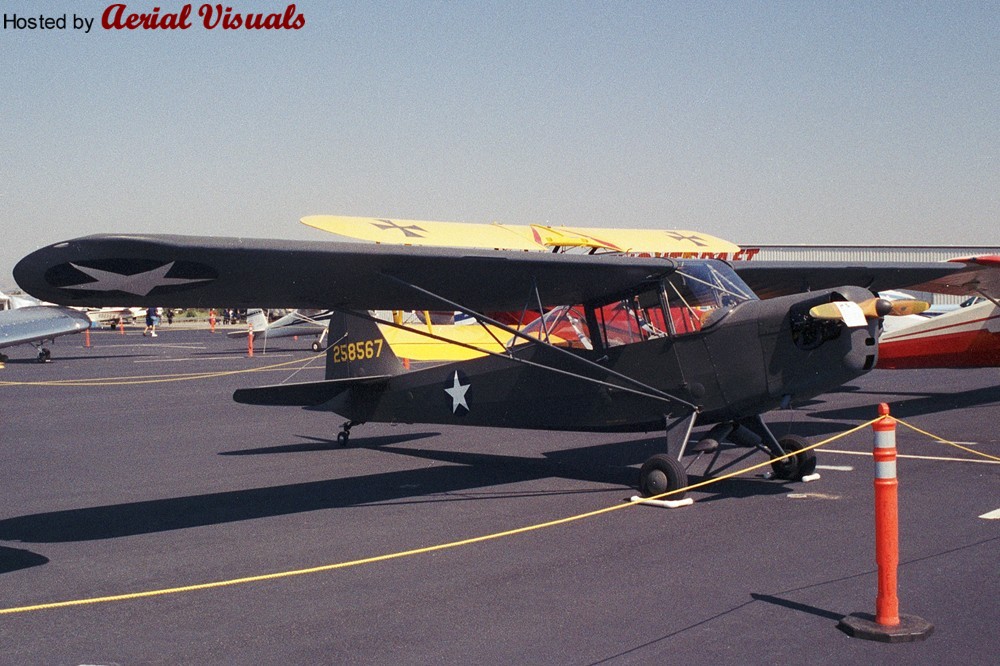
(139, 284)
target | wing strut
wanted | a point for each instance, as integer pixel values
(478, 316)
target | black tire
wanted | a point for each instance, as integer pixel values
(797, 466)
(660, 474)
(316, 347)
(342, 438)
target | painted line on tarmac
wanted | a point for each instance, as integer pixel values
(913, 457)
(991, 515)
(836, 468)
(205, 358)
(146, 346)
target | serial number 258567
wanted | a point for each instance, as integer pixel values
(357, 351)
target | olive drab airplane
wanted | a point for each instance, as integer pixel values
(626, 344)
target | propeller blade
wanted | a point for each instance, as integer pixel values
(908, 307)
(873, 308)
(848, 312)
(826, 311)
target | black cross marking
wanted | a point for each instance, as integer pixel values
(697, 240)
(410, 230)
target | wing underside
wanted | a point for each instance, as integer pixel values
(189, 271)
(770, 279)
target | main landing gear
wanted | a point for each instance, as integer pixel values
(661, 474)
(664, 472)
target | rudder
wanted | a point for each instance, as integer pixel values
(357, 348)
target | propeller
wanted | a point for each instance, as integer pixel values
(872, 308)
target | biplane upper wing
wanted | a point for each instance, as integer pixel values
(35, 323)
(770, 279)
(533, 237)
(192, 271)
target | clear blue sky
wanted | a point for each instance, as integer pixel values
(767, 122)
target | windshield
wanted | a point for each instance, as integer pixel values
(701, 293)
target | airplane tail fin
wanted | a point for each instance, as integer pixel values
(357, 348)
(257, 319)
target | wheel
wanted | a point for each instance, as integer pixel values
(316, 347)
(342, 438)
(797, 466)
(44, 355)
(660, 474)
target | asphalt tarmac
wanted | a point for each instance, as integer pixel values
(149, 477)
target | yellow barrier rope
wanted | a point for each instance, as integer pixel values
(159, 379)
(949, 443)
(415, 551)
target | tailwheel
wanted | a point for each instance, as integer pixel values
(344, 436)
(797, 466)
(660, 474)
(316, 347)
(44, 355)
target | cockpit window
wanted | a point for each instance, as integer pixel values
(565, 326)
(700, 294)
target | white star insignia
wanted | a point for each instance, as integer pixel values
(457, 393)
(140, 283)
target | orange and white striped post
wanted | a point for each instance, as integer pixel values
(250, 340)
(886, 518)
(86, 337)
(211, 320)
(888, 626)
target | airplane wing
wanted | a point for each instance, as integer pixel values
(35, 323)
(770, 279)
(979, 276)
(192, 271)
(533, 237)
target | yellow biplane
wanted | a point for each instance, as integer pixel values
(529, 238)
(476, 341)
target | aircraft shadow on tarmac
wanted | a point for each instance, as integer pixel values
(15, 559)
(604, 464)
(56, 358)
(321, 444)
(917, 404)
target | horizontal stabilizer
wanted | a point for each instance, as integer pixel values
(305, 394)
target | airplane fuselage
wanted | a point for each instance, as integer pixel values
(751, 361)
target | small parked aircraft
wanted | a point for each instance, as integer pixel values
(965, 337)
(295, 323)
(626, 344)
(26, 322)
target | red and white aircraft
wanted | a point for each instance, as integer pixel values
(966, 337)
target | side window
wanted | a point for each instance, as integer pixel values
(633, 320)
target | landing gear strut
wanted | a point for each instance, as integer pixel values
(664, 472)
